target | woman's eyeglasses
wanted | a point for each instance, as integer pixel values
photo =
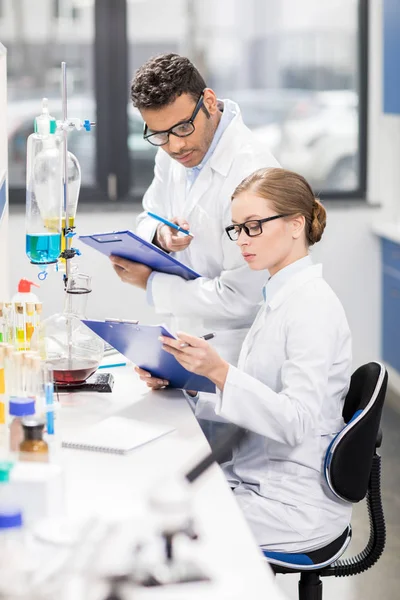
(251, 228)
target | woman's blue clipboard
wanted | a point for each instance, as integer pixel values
(131, 246)
(140, 344)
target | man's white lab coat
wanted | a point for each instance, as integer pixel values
(225, 299)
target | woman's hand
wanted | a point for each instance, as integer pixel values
(197, 356)
(152, 382)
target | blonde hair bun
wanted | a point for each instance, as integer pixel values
(318, 222)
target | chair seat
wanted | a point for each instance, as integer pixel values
(283, 562)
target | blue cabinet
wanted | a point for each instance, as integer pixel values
(391, 304)
(391, 56)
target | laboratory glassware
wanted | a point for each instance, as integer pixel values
(33, 447)
(70, 348)
(45, 210)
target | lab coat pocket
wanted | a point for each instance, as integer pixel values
(285, 507)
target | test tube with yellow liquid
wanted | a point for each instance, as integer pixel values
(20, 334)
(2, 324)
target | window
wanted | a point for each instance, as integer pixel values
(296, 69)
(36, 46)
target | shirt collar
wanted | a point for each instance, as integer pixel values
(279, 280)
(229, 111)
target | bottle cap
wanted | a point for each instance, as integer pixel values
(22, 407)
(30, 308)
(10, 518)
(33, 428)
(5, 469)
(24, 286)
(44, 124)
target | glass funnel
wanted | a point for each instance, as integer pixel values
(44, 192)
(70, 348)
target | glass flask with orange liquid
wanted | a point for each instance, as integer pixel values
(70, 348)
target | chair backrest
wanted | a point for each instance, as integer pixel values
(348, 459)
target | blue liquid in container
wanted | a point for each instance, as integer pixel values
(43, 248)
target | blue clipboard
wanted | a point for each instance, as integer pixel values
(131, 246)
(140, 344)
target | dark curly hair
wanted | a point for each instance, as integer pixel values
(162, 79)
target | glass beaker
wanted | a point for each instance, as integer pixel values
(70, 348)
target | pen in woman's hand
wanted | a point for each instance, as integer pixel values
(206, 337)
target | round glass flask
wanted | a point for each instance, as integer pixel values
(70, 348)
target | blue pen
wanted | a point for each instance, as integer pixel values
(122, 364)
(166, 222)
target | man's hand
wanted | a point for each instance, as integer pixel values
(171, 240)
(131, 272)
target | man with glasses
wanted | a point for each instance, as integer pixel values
(205, 151)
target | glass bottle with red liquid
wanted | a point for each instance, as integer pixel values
(70, 348)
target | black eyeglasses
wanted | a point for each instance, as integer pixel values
(251, 228)
(183, 129)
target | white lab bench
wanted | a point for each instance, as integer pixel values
(115, 485)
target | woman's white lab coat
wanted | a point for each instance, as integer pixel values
(288, 391)
(225, 299)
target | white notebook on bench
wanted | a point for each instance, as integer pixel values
(116, 435)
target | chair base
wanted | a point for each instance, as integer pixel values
(310, 586)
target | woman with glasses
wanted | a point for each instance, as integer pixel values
(293, 372)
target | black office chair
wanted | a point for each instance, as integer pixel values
(352, 470)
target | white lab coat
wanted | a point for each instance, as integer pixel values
(225, 299)
(288, 391)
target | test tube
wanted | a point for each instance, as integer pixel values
(2, 324)
(38, 314)
(9, 323)
(20, 336)
(29, 323)
(36, 384)
(18, 375)
(8, 354)
(48, 381)
(4, 420)
(27, 373)
(2, 384)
